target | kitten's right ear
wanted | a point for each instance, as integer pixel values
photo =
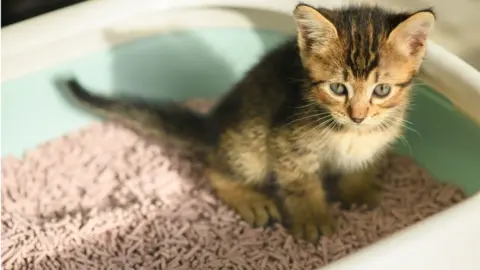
(410, 36)
(313, 28)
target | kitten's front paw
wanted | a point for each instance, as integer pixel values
(253, 207)
(309, 216)
(367, 194)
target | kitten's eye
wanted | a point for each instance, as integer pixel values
(382, 90)
(338, 89)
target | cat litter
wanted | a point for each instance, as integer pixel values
(104, 198)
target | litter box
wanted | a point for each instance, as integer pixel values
(180, 49)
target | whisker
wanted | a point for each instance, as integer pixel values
(322, 124)
(312, 114)
(402, 138)
(308, 116)
(388, 126)
(405, 142)
(306, 105)
(314, 122)
(330, 126)
(404, 123)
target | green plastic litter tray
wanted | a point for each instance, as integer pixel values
(193, 51)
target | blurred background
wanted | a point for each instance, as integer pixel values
(18, 10)
(457, 28)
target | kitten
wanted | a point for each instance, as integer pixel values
(329, 102)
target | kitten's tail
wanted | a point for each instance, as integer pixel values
(170, 120)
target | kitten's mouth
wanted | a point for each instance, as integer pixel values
(356, 124)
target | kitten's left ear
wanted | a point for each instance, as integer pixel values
(313, 28)
(410, 36)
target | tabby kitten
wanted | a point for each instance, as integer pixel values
(328, 102)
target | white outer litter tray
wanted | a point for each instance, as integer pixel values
(449, 240)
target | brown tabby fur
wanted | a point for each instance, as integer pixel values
(282, 122)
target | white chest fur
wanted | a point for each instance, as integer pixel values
(352, 150)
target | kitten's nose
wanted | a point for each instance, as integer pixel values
(357, 120)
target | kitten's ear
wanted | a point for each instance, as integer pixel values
(313, 28)
(410, 36)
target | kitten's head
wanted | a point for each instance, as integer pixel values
(361, 60)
